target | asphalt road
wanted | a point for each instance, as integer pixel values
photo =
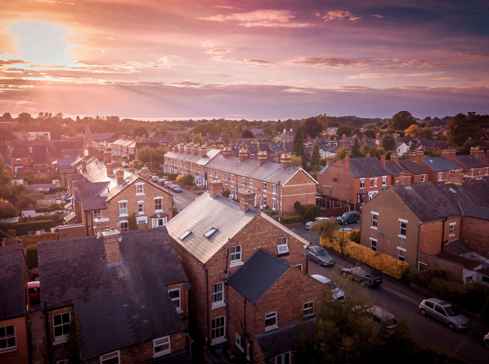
(403, 302)
(182, 199)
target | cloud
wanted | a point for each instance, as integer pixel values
(9, 62)
(257, 61)
(264, 18)
(330, 61)
(338, 14)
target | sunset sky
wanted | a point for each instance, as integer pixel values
(250, 59)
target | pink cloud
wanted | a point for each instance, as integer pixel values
(265, 18)
(338, 14)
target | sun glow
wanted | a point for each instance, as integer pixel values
(41, 43)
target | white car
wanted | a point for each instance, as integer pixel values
(336, 293)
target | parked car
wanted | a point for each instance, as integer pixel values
(366, 276)
(177, 188)
(34, 292)
(350, 217)
(444, 312)
(485, 340)
(384, 318)
(337, 294)
(310, 224)
(319, 255)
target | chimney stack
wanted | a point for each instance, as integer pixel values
(243, 154)
(226, 152)
(405, 178)
(246, 200)
(119, 174)
(477, 152)
(107, 156)
(112, 239)
(110, 169)
(262, 156)
(449, 154)
(285, 159)
(419, 156)
(215, 188)
(382, 160)
(145, 173)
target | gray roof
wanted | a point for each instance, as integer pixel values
(129, 300)
(439, 164)
(258, 274)
(90, 194)
(269, 171)
(202, 214)
(194, 158)
(367, 167)
(414, 167)
(393, 168)
(469, 161)
(13, 276)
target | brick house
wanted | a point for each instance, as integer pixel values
(265, 325)
(14, 344)
(116, 298)
(475, 165)
(444, 169)
(277, 186)
(417, 223)
(106, 199)
(214, 236)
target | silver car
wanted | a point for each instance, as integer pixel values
(337, 294)
(444, 312)
(384, 318)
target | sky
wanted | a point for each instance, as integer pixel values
(244, 59)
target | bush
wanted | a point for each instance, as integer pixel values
(172, 176)
(226, 193)
(291, 219)
(355, 236)
(187, 180)
(31, 257)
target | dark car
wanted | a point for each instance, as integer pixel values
(319, 255)
(350, 217)
(367, 277)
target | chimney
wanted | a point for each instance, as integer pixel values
(112, 239)
(215, 188)
(145, 173)
(226, 152)
(243, 154)
(419, 156)
(382, 160)
(246, 200)
(107, 156)
(476, 152)
(405, 178)
(203, 151)
(119, 174)
(285, 159)
(262, 156)
(110, 169)
(84, 166)
(449, 154)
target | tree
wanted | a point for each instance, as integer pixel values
(326, 229)
(299, 142)
(247, 134)
(388, 142)
(140, 132)
(312, 127)
(24, 117)
(344, 130)
(7, 210)
(355, 149)
(402, 120)
(316, 158)
(152, 157)
(6, 116)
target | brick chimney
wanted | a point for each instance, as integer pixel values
(449, 154)
(110, 169)
(119, 175)
(107, 156)
(112, 239)
(243, 154)
(226, 152)
(382, 160)
(145, 173)
(246, 199)
(405, 178)
(419, 156)
(477, 152)
(285, 159)
(215, 188)
(262, 156)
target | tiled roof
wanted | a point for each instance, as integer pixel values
(469, 161)
(414, 167)
(367, 167)
(117, 305)
(204, 213)
(194, 158)
(439, 164)
(258, 275)
(13, 276)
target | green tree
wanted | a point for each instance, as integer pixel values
(344, 130)
(152, 157)
(140, 132)
(326, 229)
(312, 127)
(24, 117)
(316, 158)
(402, 120)
(388, 142)
(247, 134)
(299, 142)
(355, 149)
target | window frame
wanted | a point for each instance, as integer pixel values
(401, 228)
(140, 207)
(312, 313)
(374, 220)
(8, 337)
(238, 343)
(269, 316)
(283, 243)
(109, 356)
(233, 261)
(214, 293)
(139, 188)
(59, 339)
(372, 240)
(158, 200)
(125, 222)
(401, 254)
(222, 338)
(174, 299)
(121, 210)
(157, 343)
(283, 358)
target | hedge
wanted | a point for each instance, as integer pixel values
(382, 262)
(291, 219)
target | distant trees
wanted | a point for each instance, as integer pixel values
(402, 120)
(355, 149)
(464, 127)
(299, 142)
(152, 157)
(24, 117)
(344, 130)
(388, 142)
(140, 132)
(316, 158)
(247, 134)
(7, 116)
(312, 127)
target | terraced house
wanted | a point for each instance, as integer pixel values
(114, 299)
(105, 198)
(217, 237)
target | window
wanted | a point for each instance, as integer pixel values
(174, 294)
(141, 207)
(384, 181)
(362, 182)
(282, 246)
(161, 346)
(8, 340)
(123, 208)
(284, 358)
(139, 188)
(140, 220)
(375, 220)
(111, 358)
(61, 326)
(402, 228)
(124, 225)
(218, 295)
(235, 256)
(218, 330)
(210, 233)
(298, 267)
(451, 229)
(308, 309)
(423, 178)
(401, 253)
(158, 204)
(373, 182)
(159, 221)
(373, 244)
(271, 321)
(185, 235)
(238, 341)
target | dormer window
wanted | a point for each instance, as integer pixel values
(185, 234)
(282, 246)
(211, 232)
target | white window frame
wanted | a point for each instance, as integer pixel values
(401, 253)
(160, 199)
(269, 316)
(283, 246)
(282, 358)
(376, 219)
(124, 222)
(374, 180)
(235, 256)
(384, 181)
(308, 309)
(59, 339)
(7, 337)
(140, 203)
(374, 244)
(298, 266)
(362, 183)
(452, 228)
(401, 222)
(139, 188)
(238, 342)
(423, 178)
(140, 220)
(215, 293)
(161, 341)
(156, 221)
(123, 212)
(109, 356)
(218, 339)
(175, 299)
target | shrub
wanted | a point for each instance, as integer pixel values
(355, 236)
(291, 219)
(187, 180)
(172, 176)
(226, 193)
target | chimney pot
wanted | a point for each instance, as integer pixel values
(120, 176)
(215, 188)
(112, 240)
(246, 199)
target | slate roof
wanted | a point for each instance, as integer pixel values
(269, 171)
(414, 167)
(393, 168)
(257, 275)
(286, 339)
(469, 161)
(90, 194)
(128, 300)
(439, 164)
(194, 158)
(202, 214)
(367, 167)
(13, 276)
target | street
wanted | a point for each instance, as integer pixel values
(403, 303)
(182, 199)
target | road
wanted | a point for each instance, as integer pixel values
(182, 199)
(403, 302)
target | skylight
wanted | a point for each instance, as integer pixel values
(209, 233)
(185, 234)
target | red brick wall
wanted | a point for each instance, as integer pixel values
(300, 188)
(21, 354)
(337, 182)
(475, 232)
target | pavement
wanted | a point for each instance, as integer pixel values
(182, 199)
(403, 302)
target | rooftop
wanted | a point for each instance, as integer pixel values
(13, 276)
